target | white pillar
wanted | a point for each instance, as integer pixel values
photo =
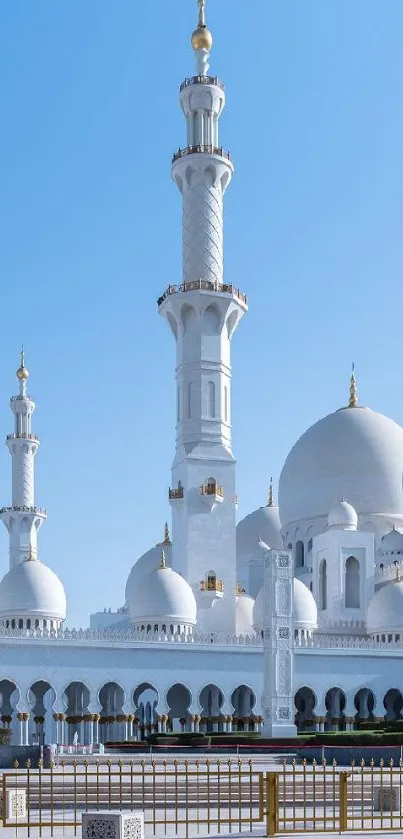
(278, 645)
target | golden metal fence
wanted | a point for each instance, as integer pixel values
(204, 796)
(185, 797)
(321, 797)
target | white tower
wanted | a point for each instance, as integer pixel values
(203, 313)
(22, 519)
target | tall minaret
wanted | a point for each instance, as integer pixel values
(203, 313)
(22, 519)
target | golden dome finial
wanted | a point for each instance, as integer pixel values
(22, 372)
(32, 554)
(167, 540)
(353, 401)
(163, 563)
(202, 39)
(270, 502)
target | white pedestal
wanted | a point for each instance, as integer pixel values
(113, 824)
(14, 809)
(386, 799)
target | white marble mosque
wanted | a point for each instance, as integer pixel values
(292, 618)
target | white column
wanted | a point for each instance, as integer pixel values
(278, 646)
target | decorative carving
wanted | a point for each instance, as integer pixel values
(283, 632)
(283, 596)
(284, 713)
(283, 561)
(106, 824)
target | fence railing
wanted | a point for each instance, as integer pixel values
(207, 796)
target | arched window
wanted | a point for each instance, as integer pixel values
(299, 554)
(211, 400)
(323, 585)
(352, 583)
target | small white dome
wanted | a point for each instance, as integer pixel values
(32, 590)
(385, 610)
(263, 524)
(244, 614)
(144, 565)
(392, 543)
(163, 596)
(342, 516)
(305, 612)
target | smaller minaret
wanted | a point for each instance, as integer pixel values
(22, 519)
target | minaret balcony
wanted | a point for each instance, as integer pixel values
(204, 285)
(202, 148)
(39, 511)
(211, 494)
(175, 494)
(202, 80)
(213, 586)
(22, 436)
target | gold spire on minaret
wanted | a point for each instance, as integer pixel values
(353, 401)
(22, 372)
(202, 39)
(167, 540)
(163, 563)
(270, 502)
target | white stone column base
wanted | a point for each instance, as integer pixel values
(14, 808)
(113, 823)
(280, 730)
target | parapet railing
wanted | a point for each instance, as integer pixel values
(204, 285)
(201, 148)
(212, 80)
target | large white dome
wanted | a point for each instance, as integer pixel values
(163, 596)
(354, 453)
(385, 610)
(32, 590)
(144, 565)
(305, 612)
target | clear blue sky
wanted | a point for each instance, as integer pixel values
(91, 235)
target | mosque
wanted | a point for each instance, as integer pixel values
(293, 616)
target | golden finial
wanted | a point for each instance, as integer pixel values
(163, 563)
(270, 502)
(202, 39)
(167, 540)
(353, 401)
(239, 589)
(22, 372)
(32, 554)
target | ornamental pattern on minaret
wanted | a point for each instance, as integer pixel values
(22, 519)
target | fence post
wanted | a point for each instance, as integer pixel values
(343, 801)
(271, 803)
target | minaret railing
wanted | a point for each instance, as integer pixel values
(211, 80)
(201, 148)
